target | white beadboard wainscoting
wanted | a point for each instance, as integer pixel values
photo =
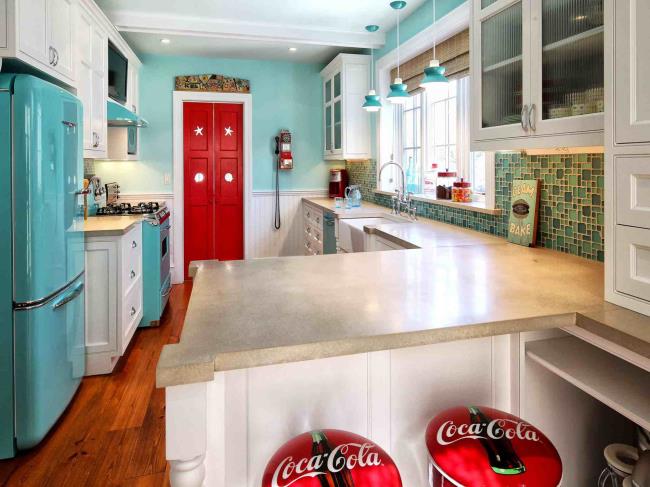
(265, 240)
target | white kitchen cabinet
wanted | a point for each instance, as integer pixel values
(312, 230)
(60, 31)
(346, 124)
(632, 72)
(92, 45)
(627, 159)
(113, 297)
(539, 74)
(40, 33)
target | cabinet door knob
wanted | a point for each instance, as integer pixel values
(132, 310)
(134, 244)
(132, 274)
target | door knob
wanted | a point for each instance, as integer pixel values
(228, 177)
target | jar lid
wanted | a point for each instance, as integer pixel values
(447, 174)
(462, 184)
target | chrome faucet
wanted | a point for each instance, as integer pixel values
(403, 200)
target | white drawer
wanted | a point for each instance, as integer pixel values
(131, 312)
(633, 190)
(633, 261)
(313, 215)
(131, 258)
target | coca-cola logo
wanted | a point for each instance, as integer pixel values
(339, 458)
(496, 429)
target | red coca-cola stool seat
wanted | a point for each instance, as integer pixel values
(484, 447)
(330, 458)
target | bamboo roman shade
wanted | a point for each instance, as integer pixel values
(453, 54)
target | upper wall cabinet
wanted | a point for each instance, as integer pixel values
(39, 32)
(537, 74)
(92, 82)
(632, 81)
(346, 125)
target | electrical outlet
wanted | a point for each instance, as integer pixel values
(167, 179)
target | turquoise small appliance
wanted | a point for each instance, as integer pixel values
(42, 342)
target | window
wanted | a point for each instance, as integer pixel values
(431, 134)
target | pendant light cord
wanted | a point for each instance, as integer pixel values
(433, 24)
(398, 58)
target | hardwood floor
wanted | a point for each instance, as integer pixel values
(113, 433)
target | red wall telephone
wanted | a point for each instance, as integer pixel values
(283, 149)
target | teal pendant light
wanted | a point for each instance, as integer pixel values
(434, 74)
(398, 90)
(373, 100)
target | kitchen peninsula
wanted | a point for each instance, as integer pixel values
(378, 342)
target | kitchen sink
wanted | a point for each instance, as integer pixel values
(353, 238)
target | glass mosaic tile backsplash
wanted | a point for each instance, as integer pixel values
(571, 214)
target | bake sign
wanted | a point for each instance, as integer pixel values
(522, 228)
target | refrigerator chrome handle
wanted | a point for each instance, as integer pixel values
(67, 123)
(37, 303)
(62, 301)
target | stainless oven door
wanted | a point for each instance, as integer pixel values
(165, 253)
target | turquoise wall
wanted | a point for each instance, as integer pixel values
(285, 95)
(416, 22)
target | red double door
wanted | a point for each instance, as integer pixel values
(214, 181)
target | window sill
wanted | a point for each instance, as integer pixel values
(476, 206)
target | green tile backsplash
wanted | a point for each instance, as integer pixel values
(571, 214)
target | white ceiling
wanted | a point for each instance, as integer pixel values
(183, 45)
(258, 29)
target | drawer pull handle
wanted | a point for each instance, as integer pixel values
(132, 311)
(134, 244)
(132, 274)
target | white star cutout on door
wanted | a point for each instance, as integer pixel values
(229, 131)
(198, 131)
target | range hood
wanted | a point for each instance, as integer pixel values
(120, 116)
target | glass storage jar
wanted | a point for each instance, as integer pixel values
(461, 192)
(446, 180)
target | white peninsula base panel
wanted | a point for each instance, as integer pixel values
(222, 433)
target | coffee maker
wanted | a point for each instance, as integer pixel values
(338, 182)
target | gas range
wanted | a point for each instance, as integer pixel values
(153, 211)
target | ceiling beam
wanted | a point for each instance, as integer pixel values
(162, 24)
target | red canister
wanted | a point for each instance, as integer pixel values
(480, 446)
(325, 458)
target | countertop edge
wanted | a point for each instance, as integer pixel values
(204, 370)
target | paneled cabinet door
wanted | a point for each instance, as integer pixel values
(501, 61)
(91, 44)
(32, 30)
(632, 71)
(3, 24)
(567, 75)
(60, 25)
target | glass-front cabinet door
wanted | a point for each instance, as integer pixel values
(503, 64)
(333, 115)
(567, 66)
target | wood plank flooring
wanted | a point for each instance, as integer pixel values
(113, 433)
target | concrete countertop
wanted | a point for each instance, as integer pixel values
(424, 234)
(344, 304)
(366, 210)
(97, 226)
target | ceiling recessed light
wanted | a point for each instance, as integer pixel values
(293, 49)
(165, 41)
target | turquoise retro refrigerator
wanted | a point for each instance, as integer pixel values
(41, 258)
